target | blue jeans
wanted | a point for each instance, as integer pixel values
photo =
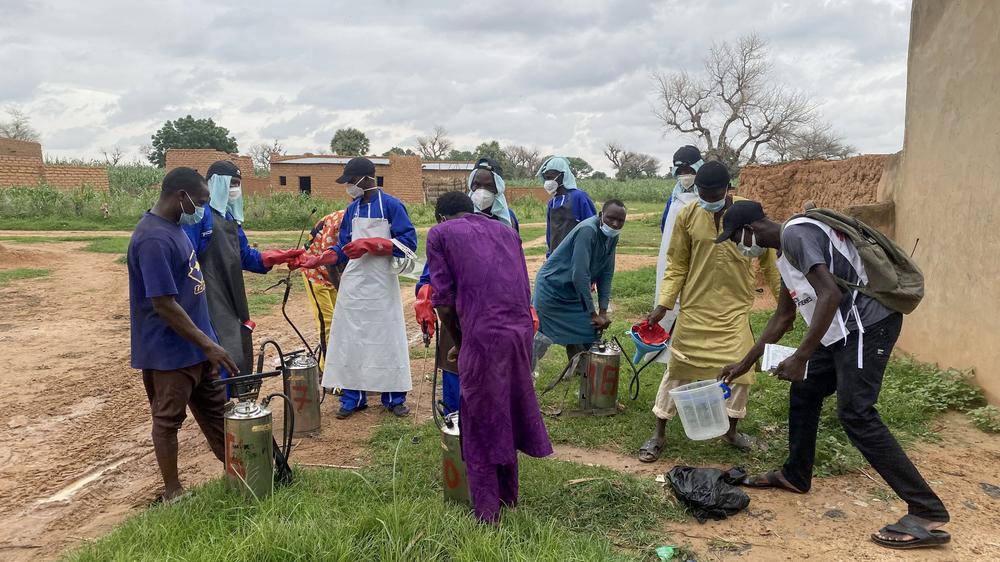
(353, 399)
(449, 391)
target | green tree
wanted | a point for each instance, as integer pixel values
(492, 149)
(349, 142)
(399, 151)
(188, 132)
(461, 155)
(598, 175)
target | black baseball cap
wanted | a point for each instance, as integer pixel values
(686, 155)
(713, 175)
(355, 167)
(740, 214)
(223, 168)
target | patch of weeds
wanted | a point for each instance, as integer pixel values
(986, 418)
(21, 273)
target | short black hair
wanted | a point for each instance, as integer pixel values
(182, 179)
(453, 203)
(610, 202)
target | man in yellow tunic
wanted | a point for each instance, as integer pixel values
(716, 284)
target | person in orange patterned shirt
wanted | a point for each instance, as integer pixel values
(322, 283)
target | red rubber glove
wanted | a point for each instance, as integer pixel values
(374, 246)
(424, 310)
(534, 318)
(312, 262)
(272, 258)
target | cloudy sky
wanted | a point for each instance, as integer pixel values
(565, 76)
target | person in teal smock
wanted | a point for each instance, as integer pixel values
(563, 300)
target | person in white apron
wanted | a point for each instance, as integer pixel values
(845, 351)
(368, 343)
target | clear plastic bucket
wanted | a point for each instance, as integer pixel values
(701, 406)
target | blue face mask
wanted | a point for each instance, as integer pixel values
(712, 207)
(192, 218)
(610, 232)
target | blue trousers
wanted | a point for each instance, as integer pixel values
(354, 399)
(449, 391)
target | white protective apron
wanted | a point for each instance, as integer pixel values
(369, 349)
(804, 295)
(681, 200)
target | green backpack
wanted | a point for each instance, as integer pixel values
(893, 278)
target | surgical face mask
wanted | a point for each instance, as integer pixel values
(355, 190)
(753, 250)
(712, 207)
(483, 199)
(610, 232)
(191, 218)
(686, 180)
(550, 186)
(235, 193)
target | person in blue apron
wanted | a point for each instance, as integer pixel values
(844, 351)
(370, 351)
(569, 204)
(486, 189)
(224, 254)
(566, 311)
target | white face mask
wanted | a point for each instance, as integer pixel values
(483, 199)
(686, 180)
(550, 186)
(610, 232)
(753, 250)
(355, 190)
(712, 207)
(235, 193)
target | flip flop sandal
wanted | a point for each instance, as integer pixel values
(742, 441)
(910, 525)
(772, 479)
(650, 451)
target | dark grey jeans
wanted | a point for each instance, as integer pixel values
(835, 369)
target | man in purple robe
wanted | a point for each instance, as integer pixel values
(483, 296)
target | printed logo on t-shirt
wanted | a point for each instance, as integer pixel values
(194, 272)
(808, 298)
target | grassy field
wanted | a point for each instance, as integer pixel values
(46, 208)
(8, 276)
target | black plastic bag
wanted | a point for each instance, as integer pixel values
(709, 493)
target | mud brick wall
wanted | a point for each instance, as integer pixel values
(837, 184)
(20, 170)
(401, 178)
(201, 158)
(11, 147)
(75, 177)
(439, 182)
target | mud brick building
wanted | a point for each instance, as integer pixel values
(316, 174)
(201, 158)
(21, 164)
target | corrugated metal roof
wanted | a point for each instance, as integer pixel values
(449, 165)
(308, 160)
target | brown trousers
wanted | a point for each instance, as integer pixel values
(171, 392)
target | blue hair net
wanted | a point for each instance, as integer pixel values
(218, 192)
(559, 164)
(500, 209)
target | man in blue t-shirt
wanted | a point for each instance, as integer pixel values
(172, 338)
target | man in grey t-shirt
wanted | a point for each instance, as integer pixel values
(842, 358)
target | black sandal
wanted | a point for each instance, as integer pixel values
(910, 525)
(772, 479)
(650, 451)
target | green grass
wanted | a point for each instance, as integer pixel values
(7, 276)
(394, 511)
(262, 303)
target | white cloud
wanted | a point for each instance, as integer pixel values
(565, 76)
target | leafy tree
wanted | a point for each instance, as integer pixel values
(435, 146)
(399, 151)
(492, 150)
(349, 142)
(461, 155)
(18, 128)
(598, 175)
(188, 132)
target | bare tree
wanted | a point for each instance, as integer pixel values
(436, 146)
(735, 109)
(261, 153)
(630, 165)
(114, 156)
(813, 142)
(522, 162)
(18, 128)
